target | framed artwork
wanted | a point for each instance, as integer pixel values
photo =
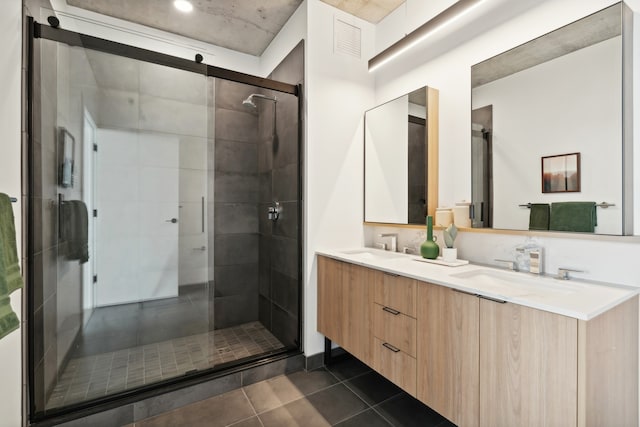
(561, 173)
(66, 149)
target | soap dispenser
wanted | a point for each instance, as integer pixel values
(535, 261)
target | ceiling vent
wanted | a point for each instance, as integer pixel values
(346, 38)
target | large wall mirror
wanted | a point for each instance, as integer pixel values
(401, 159)
(548, 130)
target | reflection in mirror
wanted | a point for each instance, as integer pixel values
(401, 159)
(560, 93)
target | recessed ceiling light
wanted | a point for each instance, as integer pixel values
(183, 5)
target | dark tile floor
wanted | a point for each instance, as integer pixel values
(346, 393)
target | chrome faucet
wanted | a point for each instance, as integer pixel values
(394, 240)
(513, 265)
(563, 273)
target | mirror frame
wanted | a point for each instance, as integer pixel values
(626, 16)
(431, 161)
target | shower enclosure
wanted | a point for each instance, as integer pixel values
(164, 226)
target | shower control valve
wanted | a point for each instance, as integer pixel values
(274, 211)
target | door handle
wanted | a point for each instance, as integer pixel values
(172, 220)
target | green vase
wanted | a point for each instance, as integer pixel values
(429, 248)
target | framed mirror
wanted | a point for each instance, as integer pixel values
(536, 109)
(401, 159)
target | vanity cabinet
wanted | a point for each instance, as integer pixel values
(528, 366)
(448, 352)
(394, 330)
(345, 296)
(481, 362)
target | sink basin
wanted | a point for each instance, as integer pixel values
(373, 254)
(511, 284)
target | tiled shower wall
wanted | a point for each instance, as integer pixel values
(235, 206)
(59, 98)
(279, 181)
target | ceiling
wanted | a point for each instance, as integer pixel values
(369, 10)
(246, 26)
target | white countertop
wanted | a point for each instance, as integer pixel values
(579, 299)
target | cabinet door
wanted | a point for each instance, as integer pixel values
(448, 353)
(358, 327)
(528, 367)
(332, 301)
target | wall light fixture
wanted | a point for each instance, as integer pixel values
(444, 18)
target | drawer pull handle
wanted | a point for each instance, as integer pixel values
(391, 310)
(391, 274)
(390, 347)
(499, 301)
(465, 292)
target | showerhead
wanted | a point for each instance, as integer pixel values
(249, 101)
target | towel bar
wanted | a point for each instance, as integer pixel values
(603, 205)
(13, 199)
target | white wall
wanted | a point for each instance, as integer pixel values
(549, 110)
(339, 90)
(10, 177)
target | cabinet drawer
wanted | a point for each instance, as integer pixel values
(395, 328)
(396, 365)
(396, 292)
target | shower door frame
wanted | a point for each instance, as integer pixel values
(34, 30)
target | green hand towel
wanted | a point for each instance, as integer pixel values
(539, 216)
(573, 216)
(75, 226)
(8, 319)
(10, 278)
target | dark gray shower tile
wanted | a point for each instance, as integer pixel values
(38, 334)
(285, 183)
(265, 224)
(264, 311)
(265, 266)
(44, 275)
(229, 95)
(234, 218)
(36, 170)
(284, 291)
(236, 187)
(287, 223)
(233, 156)
(236, 125)
(284, 326)
(291, 68)
(286, 149)
(50, 321)
(284, 256)
(235, 310)
(265, 154)
(266, 193)
(233, 249)
(236, 279)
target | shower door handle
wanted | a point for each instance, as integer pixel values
(172, 220)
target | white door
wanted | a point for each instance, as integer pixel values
(88, 181)
(138, 216)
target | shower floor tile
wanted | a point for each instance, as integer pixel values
(94, 376)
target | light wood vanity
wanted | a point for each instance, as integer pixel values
(480, 361)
